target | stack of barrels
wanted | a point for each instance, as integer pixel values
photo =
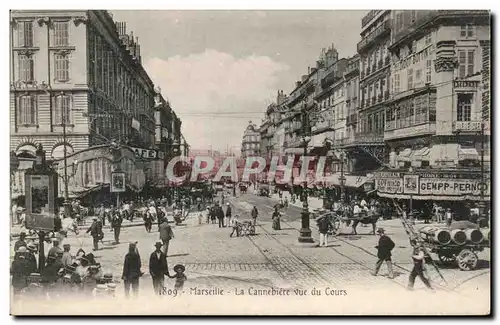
(446, 236)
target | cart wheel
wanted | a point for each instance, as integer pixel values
(446, 257)
(467, 260)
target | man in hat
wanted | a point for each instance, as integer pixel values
(55, 249)
(166, 234)
(67, 259)
(116, 224)
(255, 214)
(95, 231)
(19, 270)
(228, 214)
(20, 242)
(220, 215)
(131, 270)
(449, 217)
(30, 257)
(418, 265)
(384, 248)
(158, 268)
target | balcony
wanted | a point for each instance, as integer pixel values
(368, 17)
(380, 97)
(371, 138)
(370, 39)
(401, 130)
(374, 100)
(469, 126)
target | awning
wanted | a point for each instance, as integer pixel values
(318, 140)
(25, 164)
(295, 151)
(468, 154)
(433, 197)
(422, 154)
(405, 155)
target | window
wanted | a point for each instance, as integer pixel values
(465, 63)
(25, 34)
(26, 68)
(62, 67)
(464, 107)
(27, 110)
(62, 110)
(396, 83)
(467, 31)
(410, 79)
(428, 39)
(61, 33)
(428, 72)
(418, 77)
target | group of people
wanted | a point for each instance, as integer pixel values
(216, 214)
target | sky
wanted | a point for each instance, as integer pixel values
(221, 69)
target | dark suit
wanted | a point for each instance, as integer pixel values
(131, 273)
(385, 246)
(157, 269)
(166, 234)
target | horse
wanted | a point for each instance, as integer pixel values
(364, 218)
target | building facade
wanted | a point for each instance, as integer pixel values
(373, 88)
(78, 86)
(250, 144)
(438, 118)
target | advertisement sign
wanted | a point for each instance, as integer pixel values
(142, 153)
(453, 187)
(411, 184)
(117, 182)
(40, 201)
(389, 185)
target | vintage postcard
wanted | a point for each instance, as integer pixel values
(252, 162)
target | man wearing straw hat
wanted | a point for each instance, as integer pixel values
(384, 248)
(158, 268)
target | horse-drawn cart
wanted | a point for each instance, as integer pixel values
(337, 218)
(464, 256)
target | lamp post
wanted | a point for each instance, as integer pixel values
(410, 170)
(342, 178)
(305, 231)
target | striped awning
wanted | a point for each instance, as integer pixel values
(405, 155)
(422, 154)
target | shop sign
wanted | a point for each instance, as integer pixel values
(465, 83)
(389, 185)
(141, 153)
(413, 58)
(453, 187)
(117, 182)
(411, 184)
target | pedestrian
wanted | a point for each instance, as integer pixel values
(95, 231)
(20, 242)
(131, 271)
(116, 224)
(208, 215)
(30, 257)
(56, 248)
(166, 234)
(235, 224)
(179, 277)
(220, 216)
(67, 259)
(449, 217)
(255, 214)
(323, 224)
(384, 248)
(228, 214)
(418, 265)
(213, 214)
(20, 270)
(276, 219)
(158, 268)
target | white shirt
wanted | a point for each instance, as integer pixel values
(152, 210)
(126, 207)
(363, 202)
(356, 209)
(448, 215)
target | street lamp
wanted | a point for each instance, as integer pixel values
(410, 170)
(305, 231)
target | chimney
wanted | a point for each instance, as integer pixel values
(297, 84)
(313, 70)
(304, 78)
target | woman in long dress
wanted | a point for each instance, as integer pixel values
(276, 219)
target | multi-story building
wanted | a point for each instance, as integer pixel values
(269, 135)
(373, 88)
(438, 120)
(250, 144)
(77, 85)
(351, 82)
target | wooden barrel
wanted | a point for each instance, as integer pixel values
(438, 235)
(486, 233)
(458, 236)
(475, 236)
